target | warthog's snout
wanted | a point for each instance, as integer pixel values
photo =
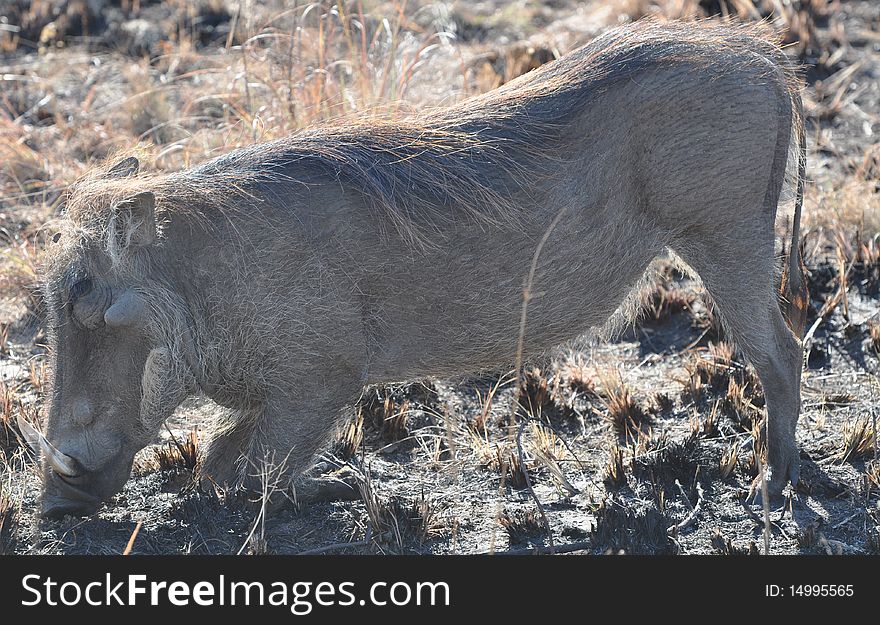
(69, 487)
(63, 495)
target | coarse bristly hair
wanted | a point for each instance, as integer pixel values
(424, 173)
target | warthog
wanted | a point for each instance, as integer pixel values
(280, 279)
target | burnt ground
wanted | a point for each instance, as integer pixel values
(627, 437)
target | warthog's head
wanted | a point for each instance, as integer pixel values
(116, 368)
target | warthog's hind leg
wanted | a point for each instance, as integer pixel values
(739, 276)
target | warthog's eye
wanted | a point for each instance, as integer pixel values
(79, 288)
(87, 301)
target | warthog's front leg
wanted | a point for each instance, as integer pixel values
(286, 437)
(223, 458)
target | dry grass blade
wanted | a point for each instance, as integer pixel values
(528, 481)
(486, 404)
(728, 462)
(674, 530)
(350, 437)
(548, 451)
(614, 476)
(521, 526)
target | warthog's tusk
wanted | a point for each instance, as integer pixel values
(60, 462)
(31, 434)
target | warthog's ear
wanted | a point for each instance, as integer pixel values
(134, 220)
(124, 168)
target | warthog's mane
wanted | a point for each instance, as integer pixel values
(476, 160)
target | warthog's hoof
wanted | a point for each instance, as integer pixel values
(779, 475)
(342, 485)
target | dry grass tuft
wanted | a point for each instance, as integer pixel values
(8, 523)
(399, 522)
(522, 526)
(10, 437)
(19, 264)
(734, 389)
(578, 375)
(865, 264)
(667, 299)
(708, 425)
(725, 546)
(808, 537)
(534, 393)
(874, 336)
(8, 431)
(623, 413)
(614, 474)
(663, 403)
(550, 451)
(486, 403)
(619, 528)
(729, 459)
(350, 437)
(662, 461)
(743, 403)
(859, 439)
(709, 373)
(502, 459)
(872, 475)
(386, 412)
(179, 456)
(757, 457)
(9, 510)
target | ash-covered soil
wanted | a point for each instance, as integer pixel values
(628, 437)
(643, 444)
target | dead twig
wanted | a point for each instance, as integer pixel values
(525, 472)
(567, 548)
(749, 512)
(527, 295)
(128, 547)
(673, 530)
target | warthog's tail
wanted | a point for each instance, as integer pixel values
(793, 286)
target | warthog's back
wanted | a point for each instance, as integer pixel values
(473, 160)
